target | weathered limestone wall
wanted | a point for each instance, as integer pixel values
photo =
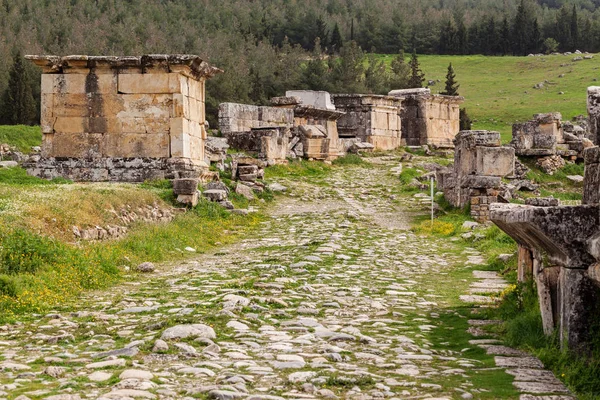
(428, 119)
(479, 164)
(593, 108)
(235, 117)
(547, 135)
(317, 130)
(98, 113)
(373, 119)
(270, 144)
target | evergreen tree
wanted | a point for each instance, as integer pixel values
(464, 120)
(563, 30)
(417, 77)
(336, 41)
(376, 76)
(452, 86)
(505, 37)
(348, 71)
(461, 42)
(535, 41)
(447, 38)
(18, 106)
(400, 72)
(321, 31)
(315, 76)
(574, 29)
(521, 29)
(492, 39)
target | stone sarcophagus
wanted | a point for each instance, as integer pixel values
(122, 118)
(428, 119)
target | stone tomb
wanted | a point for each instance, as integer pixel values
(315, 123)
(559, 248)
(428, 119)
(546, 135)
(122, 118)
(295, 126)
(371, 118)
(480, 163)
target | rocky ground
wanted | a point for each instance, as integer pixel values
(331, 298)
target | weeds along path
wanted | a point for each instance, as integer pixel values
(332, 297)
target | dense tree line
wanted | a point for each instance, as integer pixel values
(267, 46)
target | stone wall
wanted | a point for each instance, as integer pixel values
(559, 248)
(373, 119)
(270, 144)
(96, 110)
(428, 119)
(593, 109)
(235, 117)
(479, 164)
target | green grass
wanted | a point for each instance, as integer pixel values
(18, 176)
(38, 272)
(297, 169)
(23, 137)
(350, 159)
(499, 91)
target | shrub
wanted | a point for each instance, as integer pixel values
(8, 286)
(24, 252)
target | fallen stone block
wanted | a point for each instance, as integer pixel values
(245, 191)
(215, 195)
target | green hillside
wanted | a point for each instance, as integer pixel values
(499, 90)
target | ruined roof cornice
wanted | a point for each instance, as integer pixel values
(186, 64)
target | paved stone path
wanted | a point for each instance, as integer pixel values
(331, 298)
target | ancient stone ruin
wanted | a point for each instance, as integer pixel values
(369, 118)
(326, 126)
(301, 124)
(559, 248)
(122, 118)
(548, 135)
(428, 119)
(480, 163)
(593, 109)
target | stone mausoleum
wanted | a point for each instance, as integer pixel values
(122, 118)
(428, 119)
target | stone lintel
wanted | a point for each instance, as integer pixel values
(187, 64)
(561, 232)
(547, 118)
(303, 111)
(473, 138)
(366, 99)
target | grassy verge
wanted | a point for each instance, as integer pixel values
(23, 137)
(41, 267)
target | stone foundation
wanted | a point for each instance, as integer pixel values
(235, 117)
(112, 169)
(270, 144)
